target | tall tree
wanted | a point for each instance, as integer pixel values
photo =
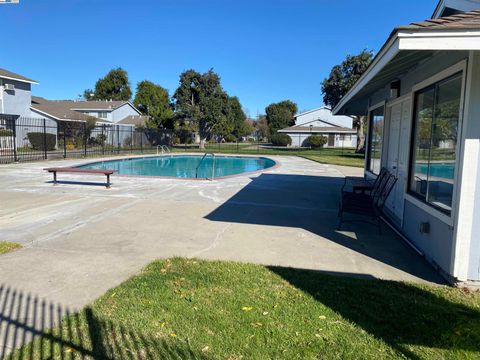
(200, 99)
(341, 79)
(237, 117)
(262, 127)
(280, 115)
(153, 100)
(114, 86)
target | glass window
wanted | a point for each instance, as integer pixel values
(375, 140)
(437, 111)
(102, 114)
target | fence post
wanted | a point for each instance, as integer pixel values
(103, 139)
(118, 139)
(111, 130)
(141, 140)
(131, 139)
(64, 140)
(85, 139)
(45, 139)
(15, 155)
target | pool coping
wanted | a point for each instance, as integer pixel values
(276, 165)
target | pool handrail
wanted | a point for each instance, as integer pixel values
(164, 149)
(200, 162)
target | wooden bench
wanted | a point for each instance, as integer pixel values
(107, 173)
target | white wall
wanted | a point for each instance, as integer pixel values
(438, 245)
(18, 101)
(349, 140)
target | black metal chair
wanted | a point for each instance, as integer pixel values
(367, 205)
(363, 185)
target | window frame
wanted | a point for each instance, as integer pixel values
(381, 104)
(411, 196)
(102, 113)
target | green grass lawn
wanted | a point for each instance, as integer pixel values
(6, 247)
(346, 157)
(192, 309)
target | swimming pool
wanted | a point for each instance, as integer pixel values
(441, 170)
(184, 166)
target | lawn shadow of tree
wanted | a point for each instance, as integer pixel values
(398, 313)
(32, 328)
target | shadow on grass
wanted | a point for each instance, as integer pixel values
(32, 328)
(398, 313)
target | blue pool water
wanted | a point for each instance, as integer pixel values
(441, 170)
(184, 166)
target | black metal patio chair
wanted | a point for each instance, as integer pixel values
(369, 206)
(362, 185)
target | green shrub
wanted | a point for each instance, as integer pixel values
(100, 139)
(38, 140)
(127, 142)
(6, 132)
(315, 141)
(230, 138)
(184, 135)
(280, 140)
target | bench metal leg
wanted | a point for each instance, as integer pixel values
(108, 181)
(54, 178)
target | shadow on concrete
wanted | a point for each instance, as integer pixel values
(72, 182)
(311, 203)
(398, 313)
(33, 328)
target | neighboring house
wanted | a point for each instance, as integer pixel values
(15, 93)
(137, 120)
(422, 96)
(113, 112)
(337, 129)
(15, 100)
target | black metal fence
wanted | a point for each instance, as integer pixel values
(29, 139)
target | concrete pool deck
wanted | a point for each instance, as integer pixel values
(82, 239)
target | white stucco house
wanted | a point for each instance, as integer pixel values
(421, 94)
(320, 121)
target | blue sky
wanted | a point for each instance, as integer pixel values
(264, 50)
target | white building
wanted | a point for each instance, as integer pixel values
(422, 96)
(337, 129)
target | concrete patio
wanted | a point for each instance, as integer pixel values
(82, 239)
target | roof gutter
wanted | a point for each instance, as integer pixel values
(408, 39)
(20, 80)
(456, 40)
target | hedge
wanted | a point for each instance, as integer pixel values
(39, 139)
(280, 140)
(230, 138)
(315, 141)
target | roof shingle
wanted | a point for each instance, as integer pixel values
(465, 21)
(12, 75)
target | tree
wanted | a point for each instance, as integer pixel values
(238, 118)
(88, 94)
(153, 100)
(280, 115)
(341, 79)
(114, 86)
(262, 127)
(244, 129)
(200, 99)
